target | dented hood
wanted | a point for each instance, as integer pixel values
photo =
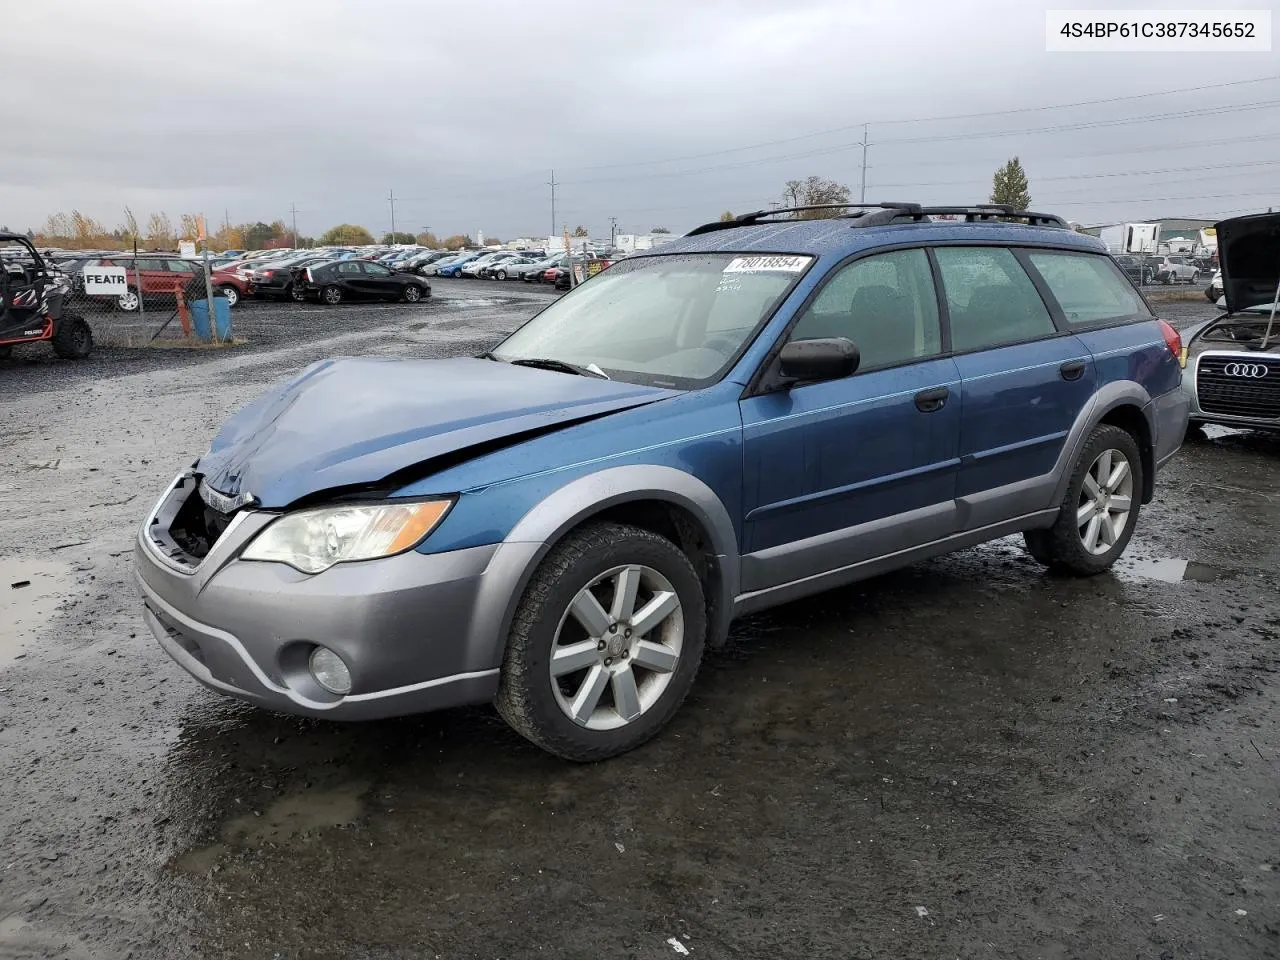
(1249, 255)
(356, 421)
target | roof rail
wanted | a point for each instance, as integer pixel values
(879, 214)
(865, 210)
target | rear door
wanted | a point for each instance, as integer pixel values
(1024, 382)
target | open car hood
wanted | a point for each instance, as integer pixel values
(354, 422)
(1249, 255)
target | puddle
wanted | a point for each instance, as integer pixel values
(1171, 570)
(302, 813)
(24, 610)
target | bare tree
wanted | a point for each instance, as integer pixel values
(813, 191)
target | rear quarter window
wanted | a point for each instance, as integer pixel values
(1090, 289)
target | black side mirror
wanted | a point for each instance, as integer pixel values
(808, 361)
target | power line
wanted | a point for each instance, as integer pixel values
(933, 119)
(1092, 176)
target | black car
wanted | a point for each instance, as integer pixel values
(1141, 271)
(277, 279)
(335, 281)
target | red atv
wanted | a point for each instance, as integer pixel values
(31, 304)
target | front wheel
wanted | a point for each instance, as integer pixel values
(231, 293)
(605, 644)
(1100, 510)
(331, 295)
(129, 300)
(72, 338)
(1195, 277)
(500, 275)
(412, 293)
(297, 293)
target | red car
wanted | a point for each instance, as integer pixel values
(161, 276)
(232, 284)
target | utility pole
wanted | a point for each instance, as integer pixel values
(613, 232)
(552, 184)
(293, 209)
(391, 195)
(862, 189)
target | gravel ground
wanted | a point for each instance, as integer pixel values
(967, 758)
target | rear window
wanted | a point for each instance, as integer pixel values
(1090, 289)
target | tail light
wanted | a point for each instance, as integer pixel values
(268, 273)
(1173, 340)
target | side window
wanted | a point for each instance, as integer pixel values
(349, 268)
(376, 270)
(990, 299)
(179, 266)
(885, 304)
(1088, 287)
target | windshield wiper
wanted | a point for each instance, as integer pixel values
(561, 366)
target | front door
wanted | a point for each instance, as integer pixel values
(378, 281)
(1024, 384)
(848, 470)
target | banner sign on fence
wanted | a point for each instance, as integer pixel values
(187, 249)
(105, 281)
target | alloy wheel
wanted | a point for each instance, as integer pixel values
(232, 295)
(412, 294)
(1106, 499)
(617, 647)
(128, 301)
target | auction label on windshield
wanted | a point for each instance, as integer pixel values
(758, 264)
(1158, 31)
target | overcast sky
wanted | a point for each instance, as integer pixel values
(656, 112)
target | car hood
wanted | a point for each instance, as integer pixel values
(1249, 257)
(354, 422)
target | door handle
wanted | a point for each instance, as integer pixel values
(930, 401)
(1073, 370)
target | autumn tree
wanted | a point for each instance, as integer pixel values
(188, 226)
(160, 231)
(814, 191)
(346, 234)
(456, 242)
(1009, 186)
(398, 237)
(581, 231)
(427, 239)
(727, 216)
(129, 229)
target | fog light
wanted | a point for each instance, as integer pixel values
(330, 672)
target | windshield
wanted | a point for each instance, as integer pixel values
(674, 321)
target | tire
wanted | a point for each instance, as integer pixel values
(72, 338)
(231, 293)
(1063, 547)
(590, 562)
(6, 351)
(129, 302)
(412, 293)
(332, 295)
(297, 293)
(500, 275)
(1195, 277)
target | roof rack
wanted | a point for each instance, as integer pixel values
(879, 214)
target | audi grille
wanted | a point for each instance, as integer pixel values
(1236, 386)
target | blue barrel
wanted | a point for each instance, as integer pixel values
(221, 318)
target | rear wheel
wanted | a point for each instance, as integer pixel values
(605, 644)
(1195, 277)
(231, 293)
(297, 293)
(412, 293)
(1100, 510)
(72, 338)
(331, 295)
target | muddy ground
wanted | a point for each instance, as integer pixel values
(967, 758)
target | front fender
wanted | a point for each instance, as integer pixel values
(529, 541)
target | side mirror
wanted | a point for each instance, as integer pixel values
(808, 361)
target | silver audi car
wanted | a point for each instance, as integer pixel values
(1233, 361)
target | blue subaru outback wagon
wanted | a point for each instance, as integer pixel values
(758, 411)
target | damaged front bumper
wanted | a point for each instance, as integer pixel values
(414, 629)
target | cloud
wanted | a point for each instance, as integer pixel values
(464, 110)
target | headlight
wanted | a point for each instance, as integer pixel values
(314, 540)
